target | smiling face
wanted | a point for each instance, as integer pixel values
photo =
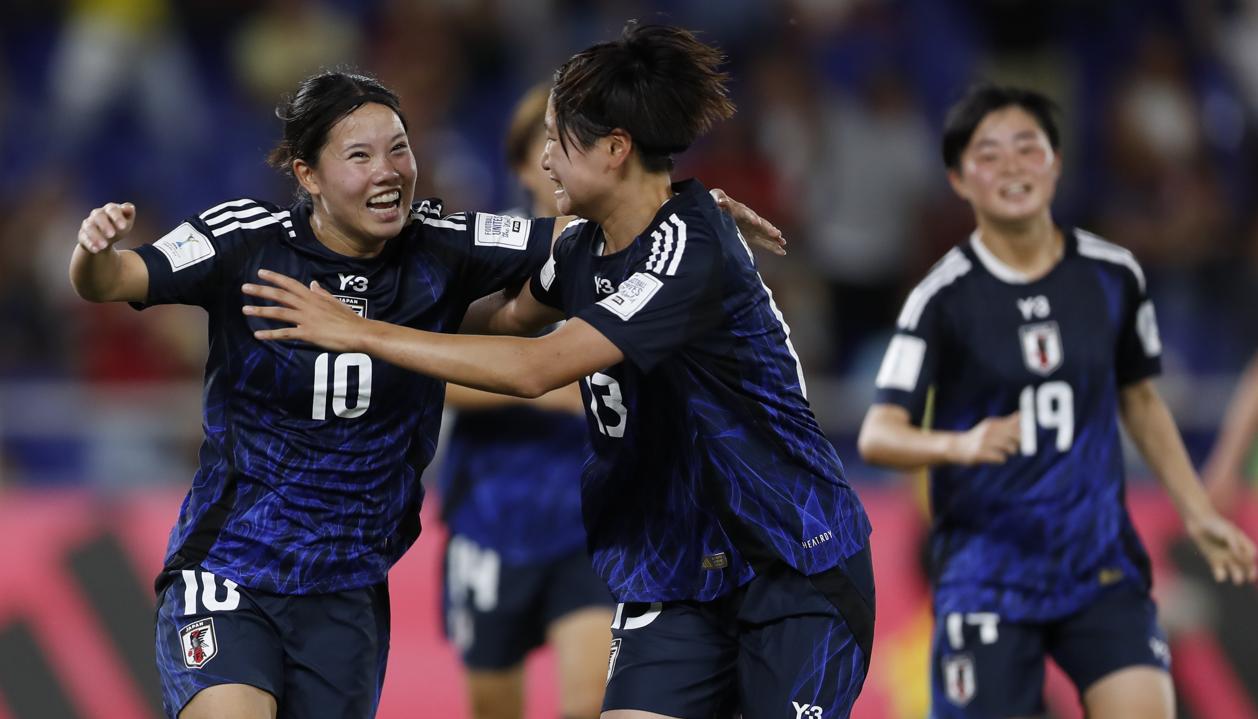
(581, 178)
(364, 181)
(1008, 171)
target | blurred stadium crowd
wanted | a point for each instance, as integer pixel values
(169, 104)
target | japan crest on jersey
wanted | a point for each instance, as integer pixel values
(958, 678)
(199, 643)
(1041, 347)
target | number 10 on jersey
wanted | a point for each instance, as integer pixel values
(340, 386)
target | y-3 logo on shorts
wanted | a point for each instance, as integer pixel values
(807, 711)
(611, 659)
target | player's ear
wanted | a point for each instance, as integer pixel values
(619, 147)
(958, 184)
(305, 175)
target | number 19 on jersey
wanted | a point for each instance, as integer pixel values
(1050, 406)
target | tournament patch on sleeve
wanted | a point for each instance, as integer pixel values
(548, 273)
(185, 247)
(902, 364)
(632, 295)
(511, 233)
(1147, 329)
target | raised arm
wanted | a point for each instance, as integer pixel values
(518, 366)
(1229, 552)
(98, 271)
(889, 438)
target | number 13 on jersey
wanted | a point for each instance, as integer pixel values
(1051, 406)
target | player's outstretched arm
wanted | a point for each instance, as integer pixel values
(503, 313)
(1228, 551)
(519, 366)
(1224, 468)
(99, 272)
(889, 438)
(565, 399)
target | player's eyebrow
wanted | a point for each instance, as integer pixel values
(355, 145)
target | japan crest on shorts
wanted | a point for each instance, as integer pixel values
(1041, 347)
(198, 642)
(958, 678)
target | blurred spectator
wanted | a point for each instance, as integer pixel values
(116, 54)
(1164, 201)
(288, 40)
(860, 166)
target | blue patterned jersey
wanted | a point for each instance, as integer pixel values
(1038, 536)
(308, 477)
(708, 462)
(511, 482)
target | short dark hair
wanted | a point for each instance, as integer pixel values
(320, 102)
(982, 100)
(526, 124)
(658, 83)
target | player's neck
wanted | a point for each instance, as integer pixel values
(636, 202)
(1031, 248)
(337, 240)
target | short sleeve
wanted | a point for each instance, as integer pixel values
(672, 297)
(1139, 346)
(909, 367)
(545, 284)
(501, 251)
(191, 263)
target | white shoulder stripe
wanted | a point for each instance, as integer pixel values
(232, 203)
(665, 253)
(274, 218)
(242, 214)
(1094, 247)
(946, 271)
(681, 244)
(444, 224)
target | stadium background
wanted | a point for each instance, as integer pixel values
(168, 103)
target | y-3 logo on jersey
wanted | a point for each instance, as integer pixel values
(807, 711)
(603, 286)
(356, 283)
(1034, 307)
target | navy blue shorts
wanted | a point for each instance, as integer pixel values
(318, 655)
(496, 613)
(983, 667)
(782, 645)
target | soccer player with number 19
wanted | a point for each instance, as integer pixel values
(1034, 339)
(715, 508)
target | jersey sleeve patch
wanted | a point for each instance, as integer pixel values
(1147, 329)
(548, 273)
(504, 231)
(632, 295)
(184, 247)
(902, 365)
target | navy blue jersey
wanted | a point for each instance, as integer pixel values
(511, 482)
(308, 478)
(708, 461)
(1036, 537)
